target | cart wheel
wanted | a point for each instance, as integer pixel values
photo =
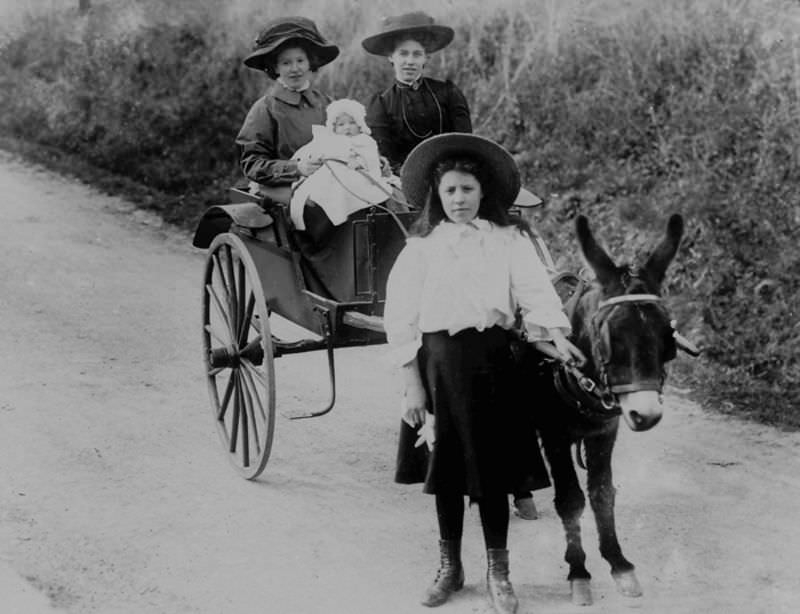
(237, 348)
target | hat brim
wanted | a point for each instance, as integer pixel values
(261, 59)
(436, 37)
(500, 166)
(527, 199)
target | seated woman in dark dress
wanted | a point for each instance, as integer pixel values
(414, 107)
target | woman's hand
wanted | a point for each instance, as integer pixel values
(568, 351)
(356, 162)
(386, 168)
(308, 166)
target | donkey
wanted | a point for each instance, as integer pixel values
(621, 325)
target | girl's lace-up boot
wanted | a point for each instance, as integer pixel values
(501, 593)
(450, 577)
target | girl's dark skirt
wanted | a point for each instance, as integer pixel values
(486, 440)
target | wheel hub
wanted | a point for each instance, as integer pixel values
(230, 357)
(224, 357)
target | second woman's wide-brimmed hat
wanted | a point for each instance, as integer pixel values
(282, 30)
(417, 25)
(500, 167)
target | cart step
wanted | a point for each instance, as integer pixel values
(357, 319)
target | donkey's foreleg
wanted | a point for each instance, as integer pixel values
(569, 503)
(602, 495)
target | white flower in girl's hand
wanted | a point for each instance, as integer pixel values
(426, 432)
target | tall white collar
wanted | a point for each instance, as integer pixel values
(452, 233)
(302, 88)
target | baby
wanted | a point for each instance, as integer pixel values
(350, 176)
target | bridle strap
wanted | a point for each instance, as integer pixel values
(601, 352)
(648, 384)
(629, 298)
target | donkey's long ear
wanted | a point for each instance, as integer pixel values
(657, 263)
(595, 256)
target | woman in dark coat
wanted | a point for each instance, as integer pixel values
(289, 50)
(414, 107)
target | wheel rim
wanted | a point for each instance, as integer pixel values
(238, 357)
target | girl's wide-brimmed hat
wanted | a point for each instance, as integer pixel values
(417, 25)
(282, 30)
(502, 170)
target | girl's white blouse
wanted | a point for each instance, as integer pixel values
(467, 276)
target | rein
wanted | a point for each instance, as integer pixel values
(389, 195)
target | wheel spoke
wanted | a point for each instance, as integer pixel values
(236, 411)
(225, 399)
(232, 296)
(221, 272)
(218, 304)
(243, 422)
(240, 300)
(244, 325)
(216, 371)
(258, 375)
(251, 384)
(251, 412)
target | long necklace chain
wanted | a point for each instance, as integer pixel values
(438, 109)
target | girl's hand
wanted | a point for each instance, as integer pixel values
(568, 351)
(414, 397)
(306, 167)
(413, 406)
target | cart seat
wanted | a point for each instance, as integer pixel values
(353, 261)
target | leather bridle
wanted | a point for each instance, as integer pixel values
(597, 399)
(601, 345)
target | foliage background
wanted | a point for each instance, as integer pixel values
(624, 111)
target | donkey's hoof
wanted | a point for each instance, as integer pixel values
(627, 584)
(581, 591)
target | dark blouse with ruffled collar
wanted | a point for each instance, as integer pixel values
(403, 116)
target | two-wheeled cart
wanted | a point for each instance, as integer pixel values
(257, 267)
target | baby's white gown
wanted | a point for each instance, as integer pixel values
(337, 188)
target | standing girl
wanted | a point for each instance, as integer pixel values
(451, 301)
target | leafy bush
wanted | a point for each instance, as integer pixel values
(625, 113)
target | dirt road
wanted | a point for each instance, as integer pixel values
(116, 497)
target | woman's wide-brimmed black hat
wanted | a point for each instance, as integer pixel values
(282, 30)
(502, 170)
(417, 25)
